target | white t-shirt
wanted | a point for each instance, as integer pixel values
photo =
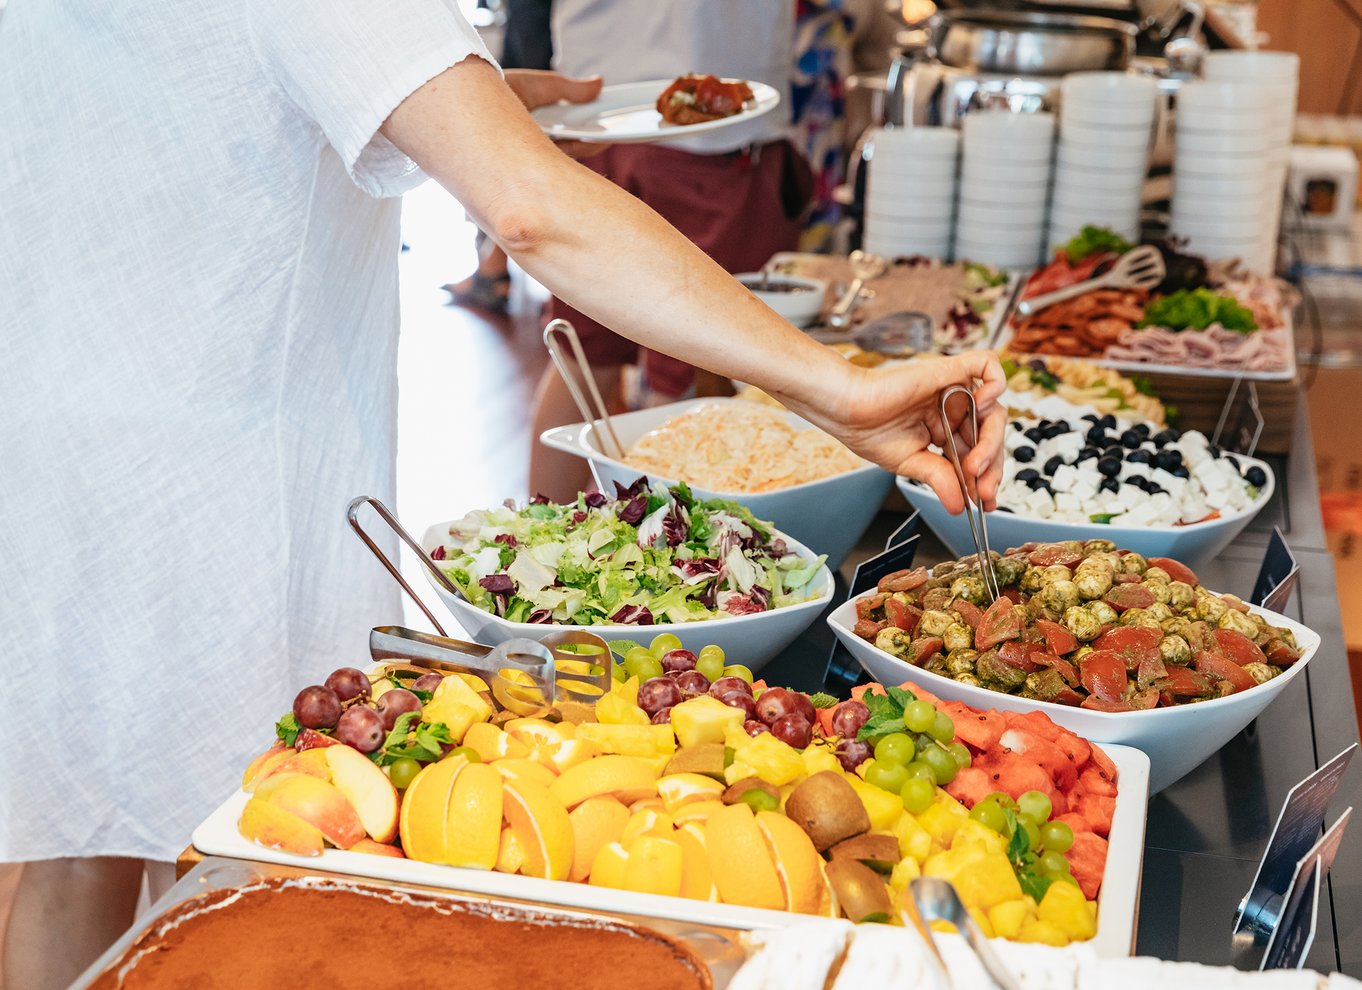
(628, 41)
(198, 335)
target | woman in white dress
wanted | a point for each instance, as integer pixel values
(198, 331)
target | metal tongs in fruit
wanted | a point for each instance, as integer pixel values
(934, 899)
(1138, 268)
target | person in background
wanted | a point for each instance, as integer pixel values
(739, 193)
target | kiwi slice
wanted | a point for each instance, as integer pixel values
(706, 758)
(826, 807)
(877, 851)
(860, 890)
(734, 794)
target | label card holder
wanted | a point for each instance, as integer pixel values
(1299, 916)
(899, 552)
(1277, 575)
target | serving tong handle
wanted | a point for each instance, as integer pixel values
(864, 268)
(974, 508)
(578, 375)
(352, 515)
(1139, 268)
(935, 899)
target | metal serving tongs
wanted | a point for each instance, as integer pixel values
(974, 509)
(598, 415)
(1139, 268)
(935, 899)
(865, 267)
(560, 670)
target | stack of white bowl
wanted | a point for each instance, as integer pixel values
(1004, 187)
(1106, 120)
(910, 192)
(1277, 75)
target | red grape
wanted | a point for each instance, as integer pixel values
(848, 717)
(805, 707)
(361, 727)
(793, 730)
(691, 681)
(658, 693)
(393, 704)
(754, 728)
(737, 699)
(775, 702)
(723, 685)
(851, 753)
(662, 716)
(678, 660)
(428, 682)
(316, 707)
(348, 683)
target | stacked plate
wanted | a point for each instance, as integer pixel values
(910, 192)
(1004, 188)
(1106, 120)
(1232, 146)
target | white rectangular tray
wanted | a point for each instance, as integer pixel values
(1117, 905)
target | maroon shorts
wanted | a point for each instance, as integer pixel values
(738, 208)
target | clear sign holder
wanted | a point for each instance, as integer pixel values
(1277, 575)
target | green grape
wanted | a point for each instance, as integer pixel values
(736, 670)
(1032, 833)
(1035, 806)
(919, 769)
(919, 716)
(943, 729)
(1056, 837)
(1003, 800)
(618, 672)
(403, 772)
(650, 668)
(991, 815)
(759, 799)
(895, 748)
(663, 643)
(711, 651)
(638, 655)
(886, 776)
(943, 765)
(918, 795)
(1066, 878)
(467, 752)
(961, 753)
(1054, 863)
(711, 666)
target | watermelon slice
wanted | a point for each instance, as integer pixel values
(1088, 861)
(970, 786)
(1052, 759)
(979, 730)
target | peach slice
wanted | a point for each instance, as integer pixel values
(595, 822)
(798, 865)
(377, 848)
(677, 789)
(697, 879)
(274, 828)
(425, 806)
(572, 752)
(649, 821)
(366, 787)
(541, 824)
(740, 859)
(523, 768)
(473, 820)
(316, 801)
(491, 743)
(623, 777)
(697, 811)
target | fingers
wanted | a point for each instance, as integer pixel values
(935, 470)
(985, 461)
(581, 90)
(537, 88)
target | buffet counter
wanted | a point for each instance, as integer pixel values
(1206, 833)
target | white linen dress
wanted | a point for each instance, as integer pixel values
(198, 334)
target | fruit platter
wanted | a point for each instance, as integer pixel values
(1110, 644)
(695, 792)
(1199, 320)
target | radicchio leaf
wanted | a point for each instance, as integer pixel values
(736, 603)
(579, 517)
(762, 596)
(507, 538)
(676, 525)
(498, 584)
(540, 615)
(594, 499)
(697, 569)
(438, 553)
(634, 510)
(539, 499)
(633, 615)
(624, 494)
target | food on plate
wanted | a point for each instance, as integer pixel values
(958, 297)
(1105, 469)
(643, 556)
(695, 98)
(739, 447)
(1200, 316)
(272, 931)
(693, 780)
(1079, 623)
(1081, 383)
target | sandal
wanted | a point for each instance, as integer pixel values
(487, 292)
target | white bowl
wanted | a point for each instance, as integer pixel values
(999, 171)
(1106, 116)
(938, 247)
(1238, 166)
(1000, 235)
(1220, 143)
(1116, 139)
(829, 515)
(800, 308)
(1108, 88)
(975, 213)
(1192, 185)
(1088, 177)
(914, 208)
(914, 174)
(1117, 219)
(751, 640)
(1004, 126)
(919, 142)
(1217, 120)
(1223, 228)
(1069, 198)
(1000, 257)
(1214, 206)
(1177, 740)
(897, 230)
(1072, 154)
(1277, 66)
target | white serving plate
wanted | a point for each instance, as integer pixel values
(828, 516)
(1117, 903)
(1177, 740)
(627, 114)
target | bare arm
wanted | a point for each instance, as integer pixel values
(607, 254)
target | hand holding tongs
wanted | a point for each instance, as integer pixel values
(974, 509)
(598, 416)
(935, 899)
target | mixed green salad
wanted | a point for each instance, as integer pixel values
(649, 554)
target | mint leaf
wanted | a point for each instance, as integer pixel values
(881, 727)
(901, 697)
(886, 712)
(821, 699)
(287, 729)
(421, 741)
(1035, 884)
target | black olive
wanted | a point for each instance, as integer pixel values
(1180, 472)
(1154, 488)
(1037, 483)
(1017, 426)
(1109, 421)
(1097, 435)
(1109, 466)
(1165, 437)
(1035, 434)
(1140, 456)
(1166, 460)
(1142, 429)
(1002, 508)
(1109, 485)
(1054, 430)
(1027, 474)
(1063, 425)
(1024, 454)
(1234, 461)
(1054, 464)
(1087, 452)
(1213, 449)
(1092, 418)
(1130, 439)
(1139, 481)
(1117, 452)
(1256, 476)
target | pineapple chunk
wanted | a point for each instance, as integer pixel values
(884, 808)
(646, 741)
(615, 709)
(941, 824)
(1044, 932)
(914, 840)
(820, 758)
(1007, 917)
(971, 832)
(987, 881)
(982, 921)
(765, 756)
(948, 863)
(1065, 907)
(905, 871)
(703, 720)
